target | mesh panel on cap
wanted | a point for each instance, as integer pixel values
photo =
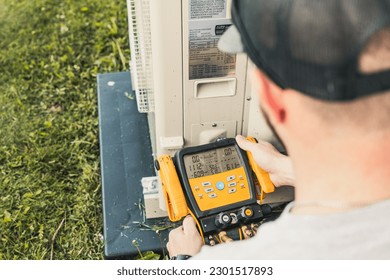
(328, 32)
(313, 46)
(265, 25)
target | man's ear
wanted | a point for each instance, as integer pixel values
(271, 97)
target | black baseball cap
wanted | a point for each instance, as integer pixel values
(312, 46)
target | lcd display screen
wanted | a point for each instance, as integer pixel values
(211, 162)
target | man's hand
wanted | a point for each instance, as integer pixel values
(268, 158)
(185, 240)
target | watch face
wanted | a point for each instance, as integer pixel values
(211, 162)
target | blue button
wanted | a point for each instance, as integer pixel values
(220, 186)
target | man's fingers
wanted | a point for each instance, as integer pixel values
(173, 233)
(189, 224)
(168, 246)
(245, 144)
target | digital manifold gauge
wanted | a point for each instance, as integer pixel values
(215, 184)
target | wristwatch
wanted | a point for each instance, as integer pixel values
(180, 257)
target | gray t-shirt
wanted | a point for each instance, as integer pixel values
(362, 233)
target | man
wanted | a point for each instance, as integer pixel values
(324, 85)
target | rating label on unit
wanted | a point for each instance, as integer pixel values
(202, 9)
(205, 59)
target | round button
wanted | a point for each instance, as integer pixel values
(248, 212)
(220, 185)
(244, 214)
(226, 219)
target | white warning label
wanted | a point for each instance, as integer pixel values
(205, 59)
(202, 9)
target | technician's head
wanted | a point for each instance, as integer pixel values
(324, 65)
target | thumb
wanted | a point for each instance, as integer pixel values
(189, 224)
(245, 144)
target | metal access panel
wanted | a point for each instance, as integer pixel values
(201, 92)
(213, 82)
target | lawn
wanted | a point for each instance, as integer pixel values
(50, 191)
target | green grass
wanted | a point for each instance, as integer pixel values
(50, 192)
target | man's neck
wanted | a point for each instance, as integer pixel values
(348, 173)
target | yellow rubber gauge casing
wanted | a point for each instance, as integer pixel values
(213, 183)
(173, 193)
